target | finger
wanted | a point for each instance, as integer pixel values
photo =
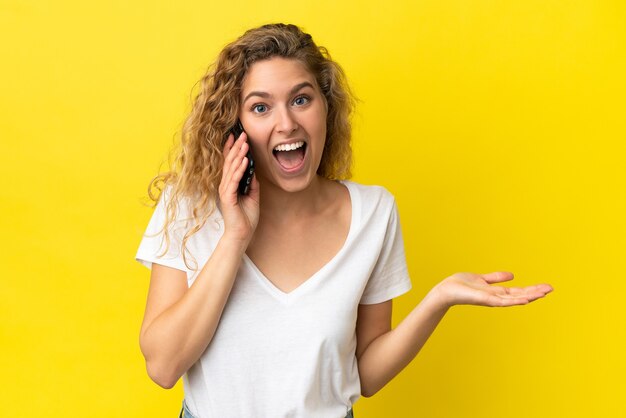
(230, 179)
(229, 147)
(228, 144)
(543, 289)
(229, 184)
(535, 291)
(538, 291)
(234, 145)
(510, 296)
(238, 168)
(231, 160)
(498, 277)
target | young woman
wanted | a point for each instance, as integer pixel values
(277, 303)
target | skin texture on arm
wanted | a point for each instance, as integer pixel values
(372, 322)
(382, 357)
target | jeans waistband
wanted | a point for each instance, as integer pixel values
(184, 412)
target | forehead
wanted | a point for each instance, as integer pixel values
(274, 74)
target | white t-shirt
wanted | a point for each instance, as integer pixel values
(276, 354)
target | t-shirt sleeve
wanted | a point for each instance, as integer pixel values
(390, 277)
(153, 247)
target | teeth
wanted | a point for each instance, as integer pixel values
(289, 147)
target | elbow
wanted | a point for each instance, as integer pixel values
(164, 383)
(367, 391)
(163, 377)
(160, 372)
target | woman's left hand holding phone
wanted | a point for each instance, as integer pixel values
(240, 212)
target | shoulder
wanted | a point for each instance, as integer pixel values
(372, 196)
(170, 197)
(182, 207)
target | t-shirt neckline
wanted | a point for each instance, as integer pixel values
(287, 297)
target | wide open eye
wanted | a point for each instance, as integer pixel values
(259, 108)
(301, 100)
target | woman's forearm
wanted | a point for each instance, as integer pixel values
(388, 354)
(176, 338)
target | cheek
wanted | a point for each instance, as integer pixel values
(257, 135)
(258, 140)
(321, 126)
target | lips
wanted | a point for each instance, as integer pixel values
(290, 157)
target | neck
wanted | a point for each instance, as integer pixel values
(278, 205)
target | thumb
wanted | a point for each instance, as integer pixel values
(498, 277)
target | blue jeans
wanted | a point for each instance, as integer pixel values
(184, 412)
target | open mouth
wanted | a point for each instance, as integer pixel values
(290, 156)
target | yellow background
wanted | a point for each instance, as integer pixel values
(498, 125)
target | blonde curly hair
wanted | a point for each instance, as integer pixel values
(196, 169)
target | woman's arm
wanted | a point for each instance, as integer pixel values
(391, 351)
(179, 322)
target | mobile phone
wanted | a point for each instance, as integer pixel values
(246, 180)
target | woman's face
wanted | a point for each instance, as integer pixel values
(284, 113)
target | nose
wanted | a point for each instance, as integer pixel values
(286, 122)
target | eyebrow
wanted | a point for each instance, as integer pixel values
(266, 95)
